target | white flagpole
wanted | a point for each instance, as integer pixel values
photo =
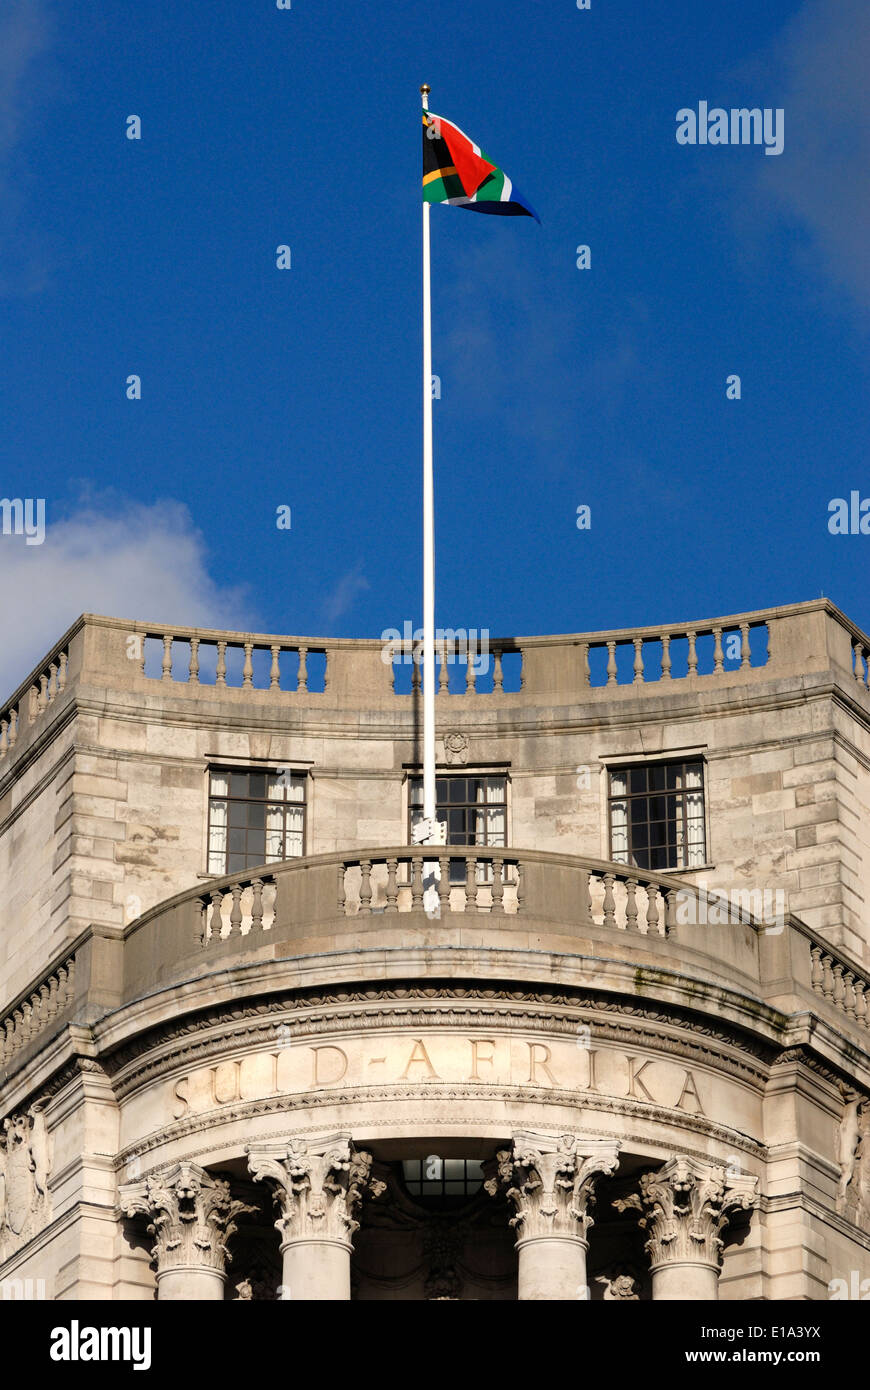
(428, 537)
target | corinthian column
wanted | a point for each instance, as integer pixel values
(550, 1182)
(684, 1208)
(191, 1215)
(318, 1184)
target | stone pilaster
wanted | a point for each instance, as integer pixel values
(550, 1181)
(684, 1208)
(318, 1183)
(191, 1216)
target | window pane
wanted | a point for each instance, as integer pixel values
(237, 843)
(275, 788)
(238, 784)
(657, 777)
(258, 784)
(495, 789)
(618, 784)
(238, 812)
(256, 846)
(219, 784)
(257, 815)
(218, 813)
(296, 789)
(637, 780)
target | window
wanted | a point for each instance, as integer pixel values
(254, 818)
(442, 1177)
(473, 808)
(657, 816)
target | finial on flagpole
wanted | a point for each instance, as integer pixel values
(424, 92)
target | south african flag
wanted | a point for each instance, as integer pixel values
(456, 171)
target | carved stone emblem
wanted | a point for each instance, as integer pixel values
(24, 1168)
(455, 748)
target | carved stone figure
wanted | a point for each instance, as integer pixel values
(621, 1288)
(25, 1164)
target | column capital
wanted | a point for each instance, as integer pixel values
(318, 1182)
(684, 1208)
(550, 1180)
(190, 1214)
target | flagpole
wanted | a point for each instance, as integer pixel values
(428, 535)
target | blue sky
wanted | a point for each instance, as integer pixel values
(263, 388)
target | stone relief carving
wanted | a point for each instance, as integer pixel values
(189, 1213)
(550, 1181)
(619, 1288)
(455, 749)
(318, 1185)
(853, 1149)
(25, 1163)
(685, 1206)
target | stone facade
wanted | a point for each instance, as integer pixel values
(653, 1086)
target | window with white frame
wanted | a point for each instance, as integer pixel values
(254, 818)
(657, 815)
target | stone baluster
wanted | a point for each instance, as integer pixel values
(470, 677)
(609, 902)
(666, 656)
(498, 884)
(4, 737)
(839, 985)
(318, 1183)
(236, 911)
(42, 697)
(849, 992)
(193, 668)
(365, 885)
(693, 655)
(471, 883)
(275, 667)
(52, 682)
(861, 1003)
(13, 727)
(497, 673)
(275, 881)
(443, 670)
(671, 912)
(652, 910)
(256, 904)
(392, 885)
(415, 673)
(416, 882)
(638, 661)
(585, 669)
(521, 888)
(585, 898)
(745, 648)
(32, 704)
(550, 1181)
(220, 677)
(827, 977)
(718, 654)
(816, 970)
(684, 1208)
(443, 883)
(302, 670)
(342, 890)
(61, 674)
(167, 659)
(217, 902)
(631, 904)
(192, 1217)
(204, 931)
(611, 663)
(248, 667)
(857, 663)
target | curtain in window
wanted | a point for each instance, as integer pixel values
(274, 833)
(217, 834)
(618, 819)
(695, 849)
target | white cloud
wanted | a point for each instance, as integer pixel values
(817, 71)
(122, 559)
(344, 595)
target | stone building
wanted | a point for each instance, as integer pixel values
(611, 1041)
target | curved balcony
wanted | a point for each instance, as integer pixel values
(421, 914)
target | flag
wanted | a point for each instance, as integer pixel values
(456, 171)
